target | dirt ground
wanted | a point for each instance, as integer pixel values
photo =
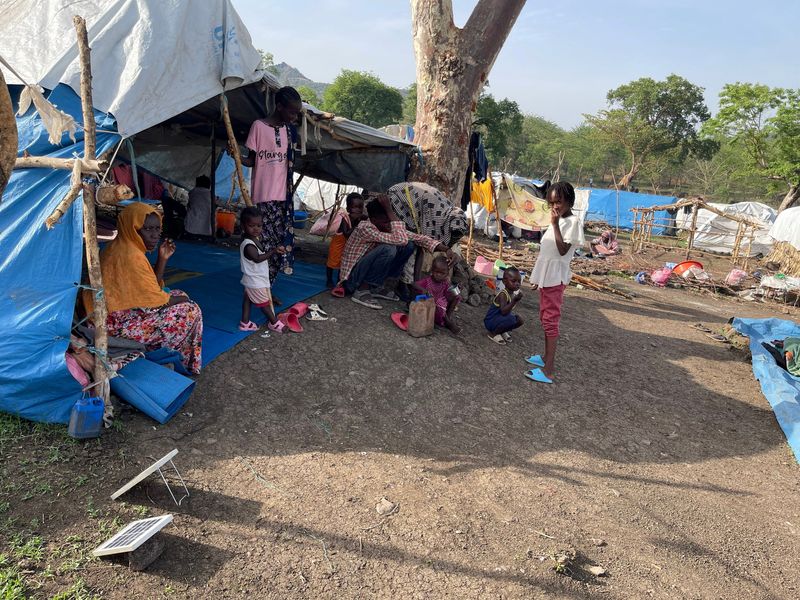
(654, 456)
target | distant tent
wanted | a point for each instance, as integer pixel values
(786, 227)
(716, 233)
(614, 208)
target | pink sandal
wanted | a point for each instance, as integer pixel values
(338, 292)
(277, 327)
(249, 326)
(299, 309)
(291, 321)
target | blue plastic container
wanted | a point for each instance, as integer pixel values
(86, 419)
(300, 219)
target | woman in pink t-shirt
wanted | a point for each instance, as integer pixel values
(270, 154)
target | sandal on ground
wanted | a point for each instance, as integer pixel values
(316, 315)
(337, 292)
(507, 337)
(291, 321)
(249, 326)
(700, 327)
(497, 339)
(717, 337)
(385, 294)
(299, 309)
(401, 320)
(364, 298)
(317, 308)
(536, 360)
(538, 376)
(277, 327)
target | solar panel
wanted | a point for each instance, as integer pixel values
(133, 535)
(156, 466)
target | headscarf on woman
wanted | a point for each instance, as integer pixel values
(425, 210)
(128, 277)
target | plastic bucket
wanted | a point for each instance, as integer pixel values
(226, 220)
(300, 219)
(681, 267)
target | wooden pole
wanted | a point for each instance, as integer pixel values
(472, 224)
(8, 135)
(74, 190)
(497, 218)
(692, 230)
(337, 205)
(46, 162)
(101, 376)
(237, 158)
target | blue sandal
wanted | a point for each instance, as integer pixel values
(538, 376)
(536, 360)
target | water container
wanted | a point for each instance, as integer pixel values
(421, 313)
(86, 419)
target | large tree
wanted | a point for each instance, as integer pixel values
(649, 117)
(766, 123)
(8, 135)
(363, 97)
(452, 67)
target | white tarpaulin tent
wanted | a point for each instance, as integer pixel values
(716, 233)
(150, 60)
(786, 227)
(319, 195)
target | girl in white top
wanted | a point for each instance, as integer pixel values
(254, 261)
(551, 274)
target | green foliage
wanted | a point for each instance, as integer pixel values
(499, 122)
(765, 123)
(12, 586)
(410, 105)
(363, 97)
(655, 122)
(308, 95)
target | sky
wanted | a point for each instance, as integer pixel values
(561, 58)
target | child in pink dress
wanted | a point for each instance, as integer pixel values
(437, 285)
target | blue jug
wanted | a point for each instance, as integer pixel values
(86, 419)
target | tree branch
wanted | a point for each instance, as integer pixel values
(487, 29)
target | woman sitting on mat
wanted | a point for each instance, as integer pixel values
(138, 308)
(606, 244)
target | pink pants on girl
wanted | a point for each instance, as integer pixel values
(550, 299)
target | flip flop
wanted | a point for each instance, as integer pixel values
(249, 326)
(536, 360)
(538, 376)
(718, 338)
(291, 321)
(507, 337)
(299, 309)
(497, 339)
(278, 327)
(700, 327)
(401, 320)
(337, 292)
(315, 315)
(317, 308)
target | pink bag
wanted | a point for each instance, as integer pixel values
(660, 276)
(321, 224)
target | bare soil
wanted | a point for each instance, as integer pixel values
(654, 456)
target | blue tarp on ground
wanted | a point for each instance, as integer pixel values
(39, 271)
(781, 389)
(224, 177)
(605, 206)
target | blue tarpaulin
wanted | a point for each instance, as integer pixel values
(604, 205)
(781, 389)
(40, 270)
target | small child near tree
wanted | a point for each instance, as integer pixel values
(254, 261)
(552, 273)
(500, 319)
(437, 286)
(350, 220)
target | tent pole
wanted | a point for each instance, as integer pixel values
(213, 216)
(101, 375)
(472, 223)
(499, 223)
(692, 230)
(237, 158)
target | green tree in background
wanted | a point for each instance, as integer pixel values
(363, 97)
(765, 122)
(309, 95)
(648, 118)
(410, 105)
(499, 122)
(267, 62)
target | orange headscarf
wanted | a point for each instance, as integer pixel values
(128, 277)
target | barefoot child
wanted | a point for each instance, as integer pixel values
(437, 285)
(350, 220)
(551, 274)
(500, 319)
(255, 271)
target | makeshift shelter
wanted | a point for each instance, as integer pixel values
(616, 207)
(158, 105)
(717, 232)
(785, 233)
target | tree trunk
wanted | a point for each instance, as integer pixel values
(791, 197)
(452, 67)
(8, 135)
(626, 180)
